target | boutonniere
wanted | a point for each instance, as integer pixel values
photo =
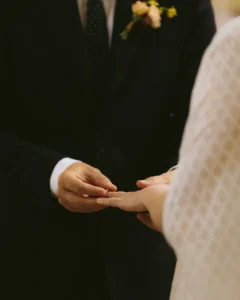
(149, 13)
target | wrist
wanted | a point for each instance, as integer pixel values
(59, 168)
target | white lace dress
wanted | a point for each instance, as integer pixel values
(202, 211)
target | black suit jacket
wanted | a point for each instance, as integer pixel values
(49, 111)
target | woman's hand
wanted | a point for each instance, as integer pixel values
(148, 200)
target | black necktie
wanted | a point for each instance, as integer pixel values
(97, 39)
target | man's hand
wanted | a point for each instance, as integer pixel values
(80, 185)
(165, 178)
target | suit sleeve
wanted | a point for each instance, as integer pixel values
(25, 169)
(201, 29)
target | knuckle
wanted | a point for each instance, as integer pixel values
(76, 187)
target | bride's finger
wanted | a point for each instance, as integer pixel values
(110, 202)
(115, 195)
(128, 202)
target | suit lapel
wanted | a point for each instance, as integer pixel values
(122, 51)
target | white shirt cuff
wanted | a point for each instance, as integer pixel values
(57, 171)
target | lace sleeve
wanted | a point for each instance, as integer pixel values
(202, 210)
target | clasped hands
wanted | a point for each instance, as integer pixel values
(84, 189)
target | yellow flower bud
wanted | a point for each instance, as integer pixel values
(161, 10)
(171, 12)
(155, 3)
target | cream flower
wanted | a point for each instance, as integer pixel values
(154, 16)
(149, 13)
(140, 8)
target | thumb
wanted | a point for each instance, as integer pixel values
(142, 184)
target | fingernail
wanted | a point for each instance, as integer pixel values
(143, 181)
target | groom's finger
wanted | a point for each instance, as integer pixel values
(78, 204)
(70, 182)
(102, 181)
(90, 190)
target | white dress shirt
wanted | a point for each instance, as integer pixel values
(202, 210)
(109, 6)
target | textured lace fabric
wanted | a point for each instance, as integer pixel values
(202, 210)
